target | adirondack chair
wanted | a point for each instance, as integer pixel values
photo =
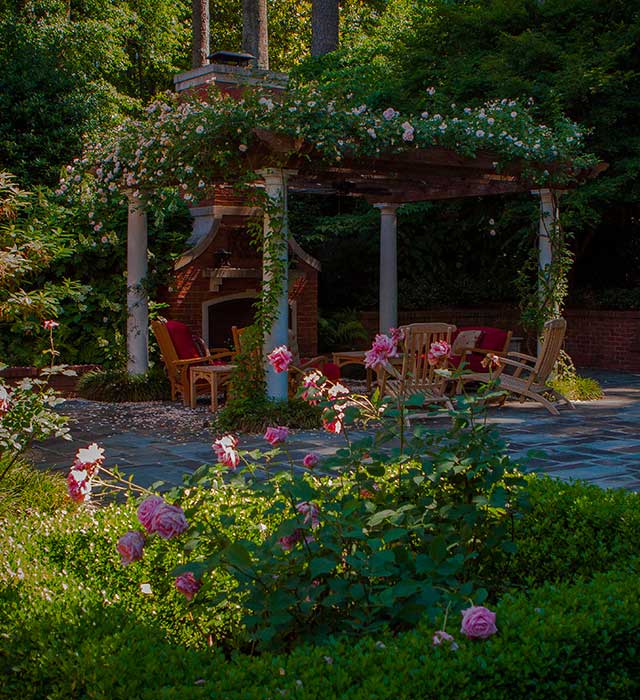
(529, 375)
(416, 375)
(180, 350)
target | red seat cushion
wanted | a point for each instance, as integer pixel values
(331, 371)
(182, 340)
(491, 339)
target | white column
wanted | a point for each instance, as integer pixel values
(548, 223)
(275, 272)
(137, 301)
(388, 266)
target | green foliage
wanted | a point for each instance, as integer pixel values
(25, 489)
(253, 414)
(393, 538)
(341, 330)
(572, 633)
(117, 385)
(567, 381)
(578, 388)
(27, 415)
(571, 532)
(577, 641)
(67, 262)
(68, 70)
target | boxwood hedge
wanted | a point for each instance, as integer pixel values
(563, 641)
(73, 623)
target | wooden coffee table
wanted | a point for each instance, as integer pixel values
(214, 375)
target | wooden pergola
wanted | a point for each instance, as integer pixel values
(387, 181)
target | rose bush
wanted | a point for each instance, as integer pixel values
(366, 538)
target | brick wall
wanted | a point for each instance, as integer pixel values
(62, 383)
(191, 287)
(598, 339)
(604, 339)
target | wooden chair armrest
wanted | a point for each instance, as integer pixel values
(220, 354)
(312, 361)
(520, 366)
(522, 356)
(484, 351)
(190, 361)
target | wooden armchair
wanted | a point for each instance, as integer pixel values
(180, 350)
(528, 375)
(416, 375)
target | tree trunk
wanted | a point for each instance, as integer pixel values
(255, 33)
(324, 27)
(200, 35)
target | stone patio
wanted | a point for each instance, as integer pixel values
(599, 442)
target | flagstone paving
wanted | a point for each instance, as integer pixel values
(598, 442)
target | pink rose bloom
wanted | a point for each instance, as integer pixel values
(407, 134)
(438, 352)
(130, 547)
(310, 512)
(440, 636)
(4, 400)
(310, 460)
(478, 622)
(280, 358)
(333, 426)
(147, 510)
(226, 452)
(337, 390)
(276, 435)
(50, 325)
(311, 379)
(289, 541)
(396, 334)
(168, 521)
(389, 113)
(383, 348)
(89, 458)
(79, 485)
(188, 585)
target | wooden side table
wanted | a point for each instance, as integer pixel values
(214, 375)
(353, 357)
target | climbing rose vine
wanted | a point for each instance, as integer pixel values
(190, 141)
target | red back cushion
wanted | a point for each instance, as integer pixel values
(182, 340)
(491, 339)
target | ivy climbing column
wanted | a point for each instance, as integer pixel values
(388, 266)
(275, 264)
(549, 215)
(137, 300)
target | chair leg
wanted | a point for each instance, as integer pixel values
(540, 399)
(563, 398)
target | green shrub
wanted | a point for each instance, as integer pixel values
(572, 531)
(575, 641)
(578, 388)
(569, 383)
(25, 488)
(254, 414)
(117, 385)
